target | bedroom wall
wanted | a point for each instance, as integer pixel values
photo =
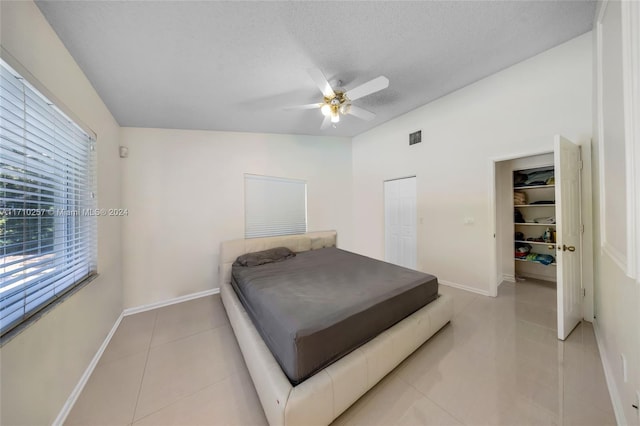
(617, 306)
(515, 111)
(185, 194)
(42, 365)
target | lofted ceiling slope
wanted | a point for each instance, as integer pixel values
(235, 66)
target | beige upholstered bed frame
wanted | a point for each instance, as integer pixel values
(324, 396)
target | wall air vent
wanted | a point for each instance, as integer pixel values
(415, 137)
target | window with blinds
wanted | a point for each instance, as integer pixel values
(47, 202)
(274, 206)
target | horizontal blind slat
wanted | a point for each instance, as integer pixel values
(274, 206)
(47, 181)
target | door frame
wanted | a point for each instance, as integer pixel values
(495, 277)
(384, 216)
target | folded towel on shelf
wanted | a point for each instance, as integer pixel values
(519, 198)
(545, 259)
(549, 219)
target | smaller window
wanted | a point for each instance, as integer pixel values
(274, 206)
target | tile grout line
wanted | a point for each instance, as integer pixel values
(466, 306)
(188, 335)
(188, 395)
(150, 347)
(432, 401)
(144, 370)
(537, 305)
(422, 393)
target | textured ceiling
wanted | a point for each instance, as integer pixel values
(235, 65)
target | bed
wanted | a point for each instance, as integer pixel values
(299, 386)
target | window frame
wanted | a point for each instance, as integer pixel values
(62, 272)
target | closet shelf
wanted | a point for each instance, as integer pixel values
(532, 261)
(536, 242)
(533, 187)
(535, 202)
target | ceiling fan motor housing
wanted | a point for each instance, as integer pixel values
(339, 103)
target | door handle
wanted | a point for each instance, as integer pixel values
(570, 248)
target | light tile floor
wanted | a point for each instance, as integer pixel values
(498, 363)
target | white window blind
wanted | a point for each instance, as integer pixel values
(274, 206)
(47, 202)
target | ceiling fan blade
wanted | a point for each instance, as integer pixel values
(361, 113)
(368, 88)
(321, 81)
(307, 106)
(326, 122)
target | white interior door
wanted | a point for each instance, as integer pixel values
(568, 253)
(400, 222)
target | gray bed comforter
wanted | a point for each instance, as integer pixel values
(314, 308)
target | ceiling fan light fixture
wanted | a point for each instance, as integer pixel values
(344, 108)
(338, 102)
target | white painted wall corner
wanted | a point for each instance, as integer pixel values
(77, 390)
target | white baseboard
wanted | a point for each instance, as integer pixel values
(616, 401)
(464, 287)
(68, 405)
(75, 393)
(155, 305)
(509, 278)
(540, 277)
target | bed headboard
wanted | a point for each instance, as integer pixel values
(230, 250)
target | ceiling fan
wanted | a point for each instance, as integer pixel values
(337, 101)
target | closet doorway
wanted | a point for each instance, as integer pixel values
(400, 229)
(538, 226)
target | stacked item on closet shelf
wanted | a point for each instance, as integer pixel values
(522, 250)
(519, 198)
(534, 177)
(534, 222)
(545, 259)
